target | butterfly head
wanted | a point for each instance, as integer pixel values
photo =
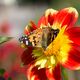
(24, 40)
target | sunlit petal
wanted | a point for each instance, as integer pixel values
(48, 18)
(74, 34)
(73, 61)
(66, 16)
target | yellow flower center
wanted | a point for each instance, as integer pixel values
(56, 52)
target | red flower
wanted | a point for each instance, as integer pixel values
(10, 54)
(63, 47)
(5, 28)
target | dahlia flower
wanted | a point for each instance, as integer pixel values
(55, 41)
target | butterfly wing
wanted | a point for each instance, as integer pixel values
(40, 37)
(33, 39)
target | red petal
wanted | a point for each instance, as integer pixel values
(43, 21)
(73, 61)
(6, 75)
(74, 34)
(33, 73)
(54, 74)
(48, 17)
(27, 56)
(30, 28)
(66, 16)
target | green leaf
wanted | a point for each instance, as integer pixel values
(4, 39)
(2, 71)
(9, 78)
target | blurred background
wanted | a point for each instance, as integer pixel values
(14, 16)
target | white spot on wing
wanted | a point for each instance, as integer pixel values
(26, 42)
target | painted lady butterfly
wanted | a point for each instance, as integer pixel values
(40, 37)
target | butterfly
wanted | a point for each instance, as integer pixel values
(41, 37)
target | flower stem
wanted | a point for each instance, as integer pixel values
(64, 74)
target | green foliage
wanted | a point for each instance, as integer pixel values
(2, 71)
(25, 2)
(64, 73)
(4, 39)
(9, 78)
